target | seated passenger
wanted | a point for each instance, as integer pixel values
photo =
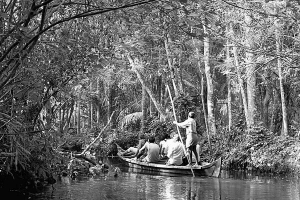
(131, 151)
(142, 142)
(151, 150)
(163, 146)
(175, 151)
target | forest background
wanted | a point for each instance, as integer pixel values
(74, 72)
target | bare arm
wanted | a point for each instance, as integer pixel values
(184, 124)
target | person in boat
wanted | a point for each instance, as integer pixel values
(152, 151)
(133, 151)
(175, 151)
(191, 136)
(142, 141)
(163, 146)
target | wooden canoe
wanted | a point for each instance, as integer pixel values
(206, 169)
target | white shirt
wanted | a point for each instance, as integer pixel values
(175, 153)
(166, 145)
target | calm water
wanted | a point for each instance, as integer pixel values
(129, 185)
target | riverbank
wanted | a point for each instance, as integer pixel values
(258, 151)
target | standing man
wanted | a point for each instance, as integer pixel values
(191, 136)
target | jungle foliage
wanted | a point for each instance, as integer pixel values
(68, 67)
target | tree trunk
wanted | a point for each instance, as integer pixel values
(68, 124)
(144, 111)
(98, 106)
(63, 119)
(150, 107)
(78, 116)
(91, 108)
(209, 82)
(265, 107)
(251, 75)
(108, 92)
(74, 115)
(274, 117)
(171, 66)
(180, 79)
(135, 65)
(48, 114)
(241, 84)
(229, 113)
(202, 88)
(159, 88)
(60, 116)
(282, 95)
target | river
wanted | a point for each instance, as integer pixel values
(129, 186)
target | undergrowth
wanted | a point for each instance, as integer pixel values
(259, 150)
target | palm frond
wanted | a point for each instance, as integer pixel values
(131, 119)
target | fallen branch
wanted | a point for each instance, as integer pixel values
(85, 158)
(81, 155)
(98, 137)
(78, 156)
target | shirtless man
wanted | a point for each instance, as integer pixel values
(152, 151)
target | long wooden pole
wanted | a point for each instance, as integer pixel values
(178, 127)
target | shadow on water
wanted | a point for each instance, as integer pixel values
(130, 185)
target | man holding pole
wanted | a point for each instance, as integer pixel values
(191, 136)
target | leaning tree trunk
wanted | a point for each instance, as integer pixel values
(135, 65)
(209, 82)
(180, 77)
(171, 66)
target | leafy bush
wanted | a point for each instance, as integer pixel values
(159, 128)
(259, 150)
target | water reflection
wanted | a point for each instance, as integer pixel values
(130, 185)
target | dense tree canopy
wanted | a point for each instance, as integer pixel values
(67, 66)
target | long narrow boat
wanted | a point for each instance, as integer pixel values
(206, 169)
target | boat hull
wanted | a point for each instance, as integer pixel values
(209, 169)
